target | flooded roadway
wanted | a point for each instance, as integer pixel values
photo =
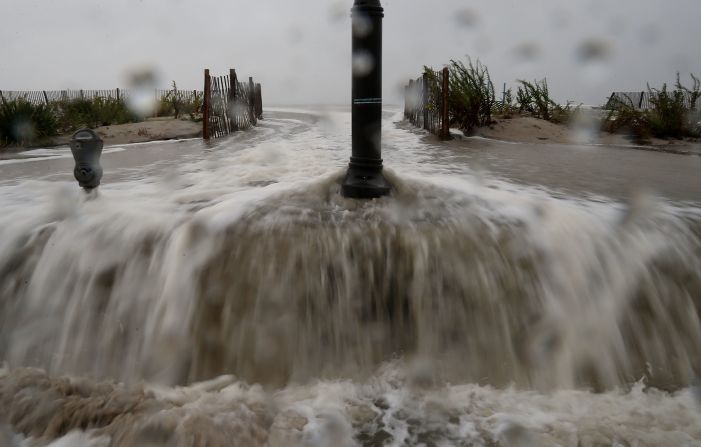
(591, 171)
(225, 294)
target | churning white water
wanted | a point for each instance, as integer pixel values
(228, 295)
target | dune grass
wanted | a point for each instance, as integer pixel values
(96, 112)
(674, 113)
(471, 97)
(24, 123)
(534, 99)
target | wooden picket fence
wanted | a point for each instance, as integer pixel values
(426, 102)
(643, 100)
(38, 97)
(229, 105)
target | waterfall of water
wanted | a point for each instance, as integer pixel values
(358, 313)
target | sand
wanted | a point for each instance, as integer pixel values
(523, 129)
(152, 129)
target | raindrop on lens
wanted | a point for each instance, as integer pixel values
(338, 11)
(584, 127)
(362, 26)
(526, 55)
(239, 109)
(141, 99)
(594, 55)
(363, 63)
(23, 130)
(467, 18)
(527, 51)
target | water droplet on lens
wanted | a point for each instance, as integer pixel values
(141, 98)
(363, 63)
(584, 127)
(594, 56)
(362, 26)
(23, 130)
(593, 50)
(338, 11)
(239, 109)
(527, 51)
(467, 18)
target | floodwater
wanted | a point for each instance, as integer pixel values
(225, 294)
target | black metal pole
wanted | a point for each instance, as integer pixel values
(364, 179)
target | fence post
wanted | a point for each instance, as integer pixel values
(251, 100)
(118, 98)
(233, 84)
(82, 95)
(259, 101)
(2, 98)
(46, 97)
(205, 106)
(410, 101)
(640, 104)
(424, 101)
(445, 119)
(406, 96)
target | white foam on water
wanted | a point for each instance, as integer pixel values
(245, 260)
(385, 410)
(48, 154)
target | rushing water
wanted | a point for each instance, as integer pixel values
(227, 295)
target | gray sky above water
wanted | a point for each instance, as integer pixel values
(300, 50)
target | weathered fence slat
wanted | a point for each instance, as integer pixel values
(645, 100)
(205, 107)
(445, 118)
(230, 105)
(426, 102)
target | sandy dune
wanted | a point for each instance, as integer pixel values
(525, 129)
(153, 129)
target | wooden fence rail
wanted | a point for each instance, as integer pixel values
(426, 102)
(229, 105)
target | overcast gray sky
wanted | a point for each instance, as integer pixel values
(300, 50)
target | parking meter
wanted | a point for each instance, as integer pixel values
(86, 147)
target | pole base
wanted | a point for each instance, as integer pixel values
(364, 184)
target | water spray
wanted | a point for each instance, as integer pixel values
(364, 179)
(86, 147)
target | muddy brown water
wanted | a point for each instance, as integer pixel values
(225, 294)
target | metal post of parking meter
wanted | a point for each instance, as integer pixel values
(86, 147)
(364, 179)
